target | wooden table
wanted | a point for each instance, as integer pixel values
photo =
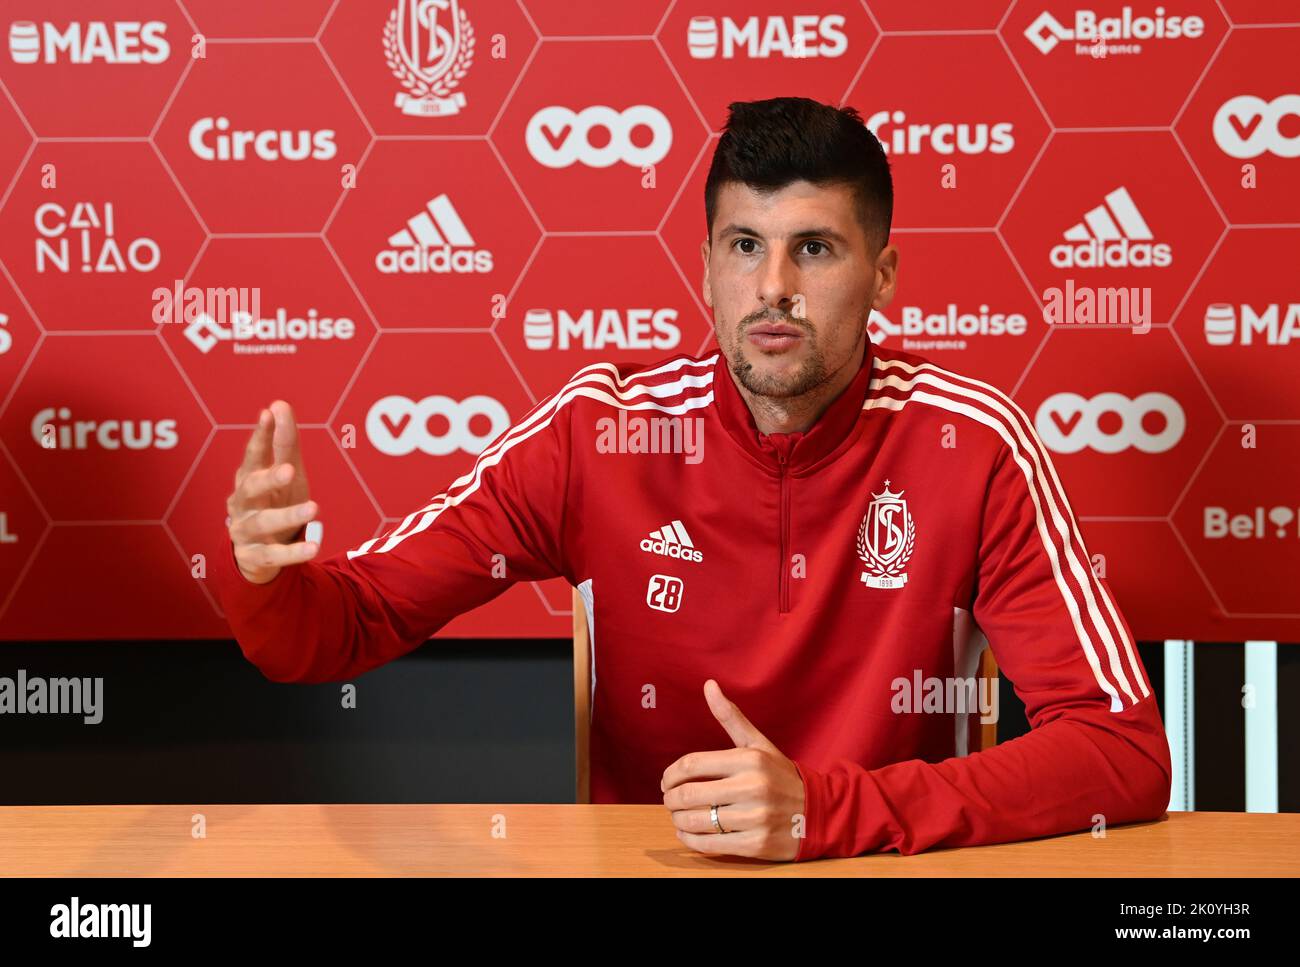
(576, 840)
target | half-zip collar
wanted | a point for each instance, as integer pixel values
(799, 450)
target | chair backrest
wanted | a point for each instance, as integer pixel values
(581, 699)
(967, 638)
(972, 657)
(987, 731)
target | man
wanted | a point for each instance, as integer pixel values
(851, 510)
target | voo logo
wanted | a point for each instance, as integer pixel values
(1110, 422)
(1247, 126)
(396, 425)
(558, 137)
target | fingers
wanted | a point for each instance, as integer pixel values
(745, 843)
(709, 765)
(734, 819)
(262, 526)
(693, 795)
(255, 558)
(284, 442)
(262, 483)
(257, 453)
(740, 729)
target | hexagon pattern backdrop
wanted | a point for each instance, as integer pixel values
(424, 215)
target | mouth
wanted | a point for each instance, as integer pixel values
(774, 336)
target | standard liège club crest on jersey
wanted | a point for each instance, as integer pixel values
(429, 47)
(886, 539)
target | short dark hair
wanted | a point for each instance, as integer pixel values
(769, 144)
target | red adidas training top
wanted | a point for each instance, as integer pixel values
(824, 579)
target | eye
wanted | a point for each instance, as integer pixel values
(744, 241)
(813, 241)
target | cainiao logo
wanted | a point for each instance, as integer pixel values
(434, 240)
(89, 232)
(558, 137)
(54, 429)
(213, 139)
(898, 136)
(1247, 126)
(1110, 422)
(429, 47)
(600, 329)
(805, 35)
(1098, 36)
(398, 425)
(1276, 324)
(96, 42)
(1112, 235)
(280, 333)
(948, 329)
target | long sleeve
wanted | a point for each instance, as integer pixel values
(1097, 746)
(334, 618)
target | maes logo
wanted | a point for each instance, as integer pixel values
(123, 42)
(805, 35)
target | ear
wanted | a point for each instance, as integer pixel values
(707, 289)
(886, 277)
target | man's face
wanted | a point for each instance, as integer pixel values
(791, 279)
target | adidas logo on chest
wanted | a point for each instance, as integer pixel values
(671, 540)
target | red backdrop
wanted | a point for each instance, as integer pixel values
(470, 200)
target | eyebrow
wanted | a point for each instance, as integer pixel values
(822, 231)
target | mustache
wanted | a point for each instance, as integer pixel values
(768, 316)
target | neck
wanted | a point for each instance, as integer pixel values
(797, 414)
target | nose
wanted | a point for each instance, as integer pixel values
(777, 282)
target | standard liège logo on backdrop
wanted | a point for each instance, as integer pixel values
(429, 57)
(886, 540)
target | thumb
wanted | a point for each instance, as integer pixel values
(731, 718)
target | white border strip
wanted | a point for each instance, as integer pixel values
(1261, 727)
(1180, 709)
